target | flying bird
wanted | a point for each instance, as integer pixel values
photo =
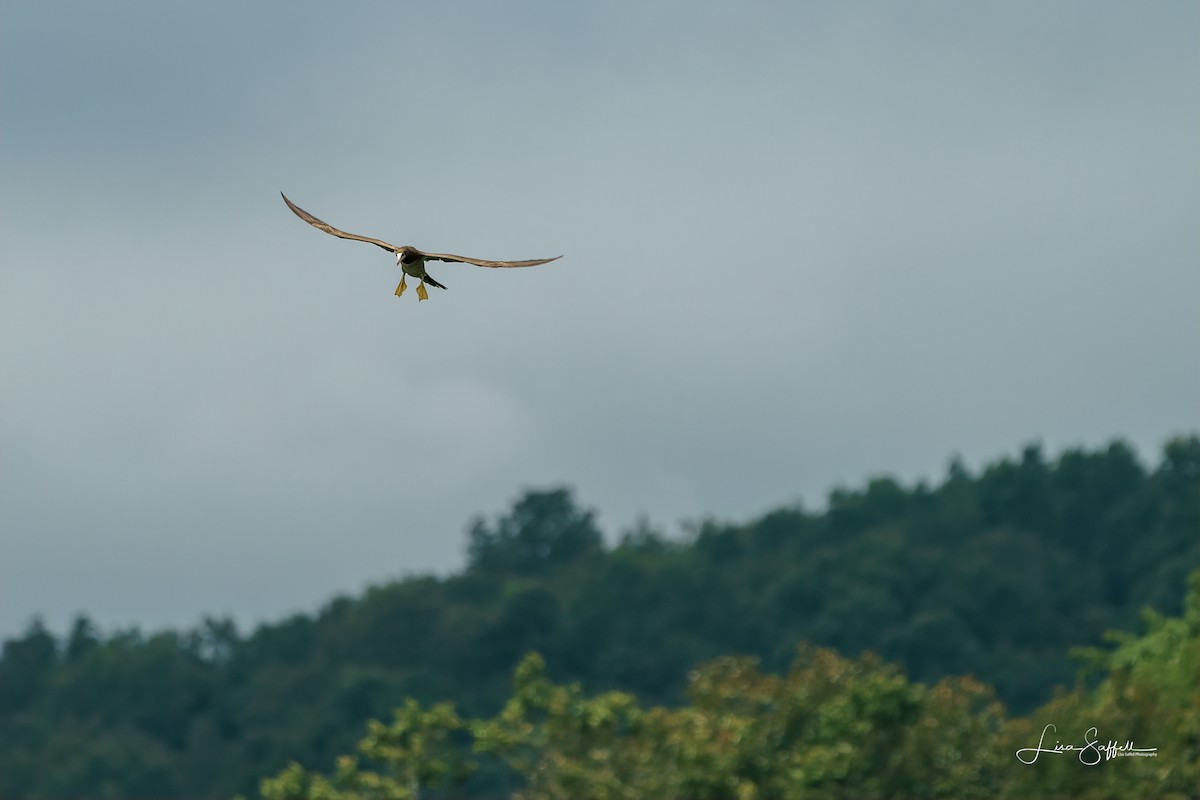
(410, 259)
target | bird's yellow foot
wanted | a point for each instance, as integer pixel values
(400, 289)
(421, 293)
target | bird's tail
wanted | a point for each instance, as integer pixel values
(429, 279)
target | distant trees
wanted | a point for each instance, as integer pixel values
(994, 575)
(544, 531)
(25, 668)
(830, 728)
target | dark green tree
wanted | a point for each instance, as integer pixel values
(544, 530)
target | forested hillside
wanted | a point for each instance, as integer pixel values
(995, 574)
(830, 728)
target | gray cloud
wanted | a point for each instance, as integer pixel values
(803, 245)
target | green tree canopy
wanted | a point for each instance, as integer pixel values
(831, 728)
(994, 574)
(544, 530)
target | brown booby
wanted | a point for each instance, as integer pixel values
(410, 259)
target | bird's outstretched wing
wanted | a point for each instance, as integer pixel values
(479, 262)
(325, 226)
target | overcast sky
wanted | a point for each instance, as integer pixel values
(805, 244)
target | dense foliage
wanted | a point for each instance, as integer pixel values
(995, 574)
(831, 728)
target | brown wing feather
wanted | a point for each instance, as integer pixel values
(479, 262)
(325, 226)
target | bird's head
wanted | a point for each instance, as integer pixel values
(407, 255)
